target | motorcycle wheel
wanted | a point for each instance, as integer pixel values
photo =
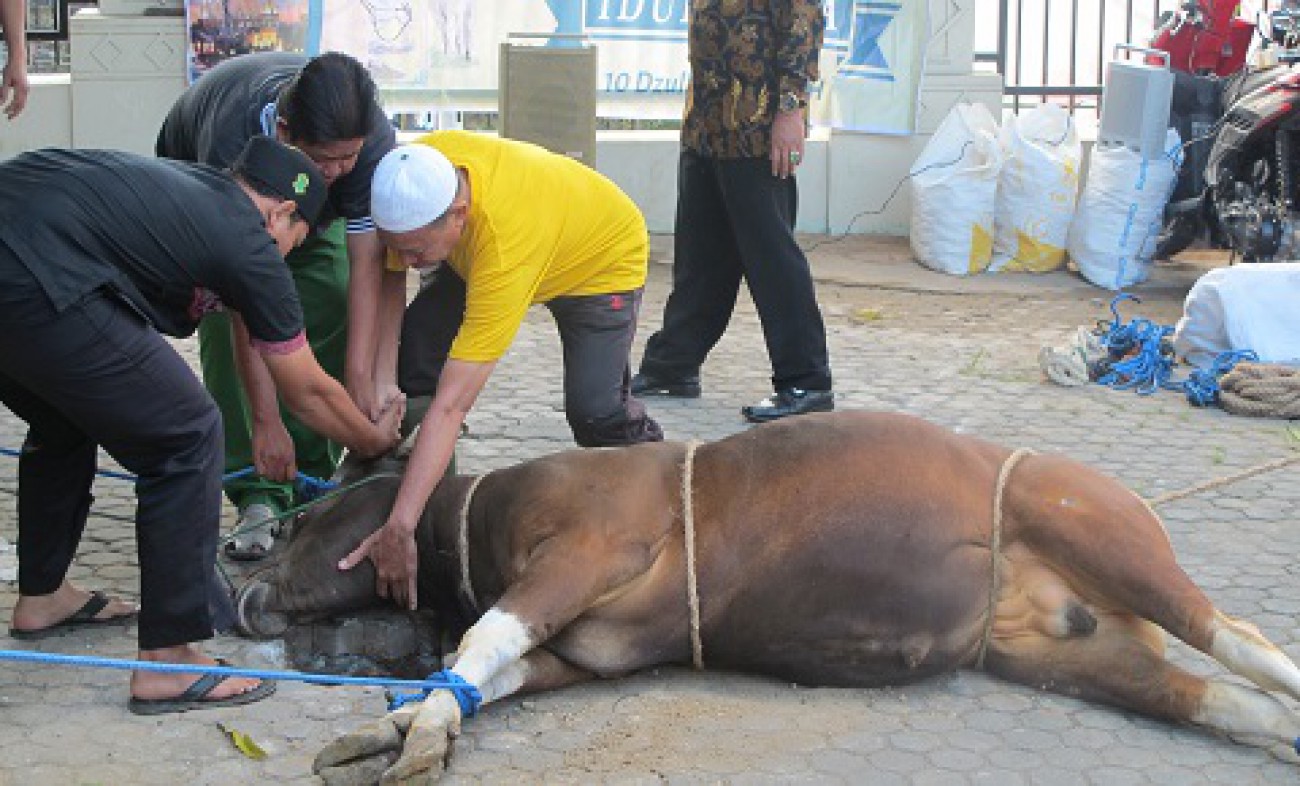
(1179, 232)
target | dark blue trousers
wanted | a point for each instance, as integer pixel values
(98, 375)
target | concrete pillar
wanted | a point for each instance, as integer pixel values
(126, 73)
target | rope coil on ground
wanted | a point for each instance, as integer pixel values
(1261, 390)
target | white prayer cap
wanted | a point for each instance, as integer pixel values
(412, 187)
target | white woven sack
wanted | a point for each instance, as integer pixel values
(1248, 306)
(954, 187)
(1118, 220)
(1037, 190)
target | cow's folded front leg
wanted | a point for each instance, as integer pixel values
(412, 744)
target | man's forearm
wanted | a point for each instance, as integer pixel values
(458, 389)
(392, 308)
(366, 260)
(323, 404)
(13, 17)
(796, 60)
(256, 380)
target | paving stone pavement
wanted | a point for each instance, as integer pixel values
(960, 352)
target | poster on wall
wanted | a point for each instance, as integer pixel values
(443, 54)
(873, 80)
(447, 51)
(221, 29)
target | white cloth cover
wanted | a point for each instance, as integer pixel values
(954, 188)
(1037, 190)
(1117, 223)
(1248, 306)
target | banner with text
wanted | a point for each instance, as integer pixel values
(443, 54)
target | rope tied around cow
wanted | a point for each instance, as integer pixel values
(467, 696)
(995, 549)
(688, 525)
(462, 544)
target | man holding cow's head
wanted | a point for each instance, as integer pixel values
(497, 225)
(102, 255)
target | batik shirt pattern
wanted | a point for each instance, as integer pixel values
(744, 55)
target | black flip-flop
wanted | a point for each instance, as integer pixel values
(81, 618)
(195, 697)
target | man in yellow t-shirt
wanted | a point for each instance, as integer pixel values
(503, 225)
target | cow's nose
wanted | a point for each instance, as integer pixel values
(256, 616)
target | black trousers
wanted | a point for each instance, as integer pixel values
(97, 374)
(736, 220)
(596, 332)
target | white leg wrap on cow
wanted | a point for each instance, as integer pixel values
(509, 679)
(1240, 648)
(495, 641)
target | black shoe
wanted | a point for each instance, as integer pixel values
(789, 401)
(646, 385)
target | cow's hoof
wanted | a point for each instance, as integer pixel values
(252, 616)
(365, 753)
(428, 743)
(361, 772)
(405, 747)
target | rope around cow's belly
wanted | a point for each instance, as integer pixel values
(688, 523)
(462, 544)
(692, 585)
(688, 517)
(995, 548)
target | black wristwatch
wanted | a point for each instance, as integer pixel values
(790, 102)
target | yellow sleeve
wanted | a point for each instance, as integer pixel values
(498, 291)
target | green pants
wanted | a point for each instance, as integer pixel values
(320, 272)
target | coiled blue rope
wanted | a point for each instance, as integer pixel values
(1202, 385)
(467, 696)
(1142, 359)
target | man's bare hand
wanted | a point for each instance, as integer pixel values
(273, 452)
(392, 551)
(787, 142)
(14, 87)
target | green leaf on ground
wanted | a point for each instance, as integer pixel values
(243, 743)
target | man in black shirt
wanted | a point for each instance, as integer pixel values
(101, 253)
(326, 107)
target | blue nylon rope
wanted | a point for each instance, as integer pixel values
(1142, 359)
(467, 696)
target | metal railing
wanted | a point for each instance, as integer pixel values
(1058, 49)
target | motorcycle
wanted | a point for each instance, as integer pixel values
(1245, 192)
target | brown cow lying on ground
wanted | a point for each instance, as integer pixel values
(846, 549)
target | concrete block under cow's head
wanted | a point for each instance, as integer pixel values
(331, 619)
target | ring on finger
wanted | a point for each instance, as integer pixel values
(795, 157)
